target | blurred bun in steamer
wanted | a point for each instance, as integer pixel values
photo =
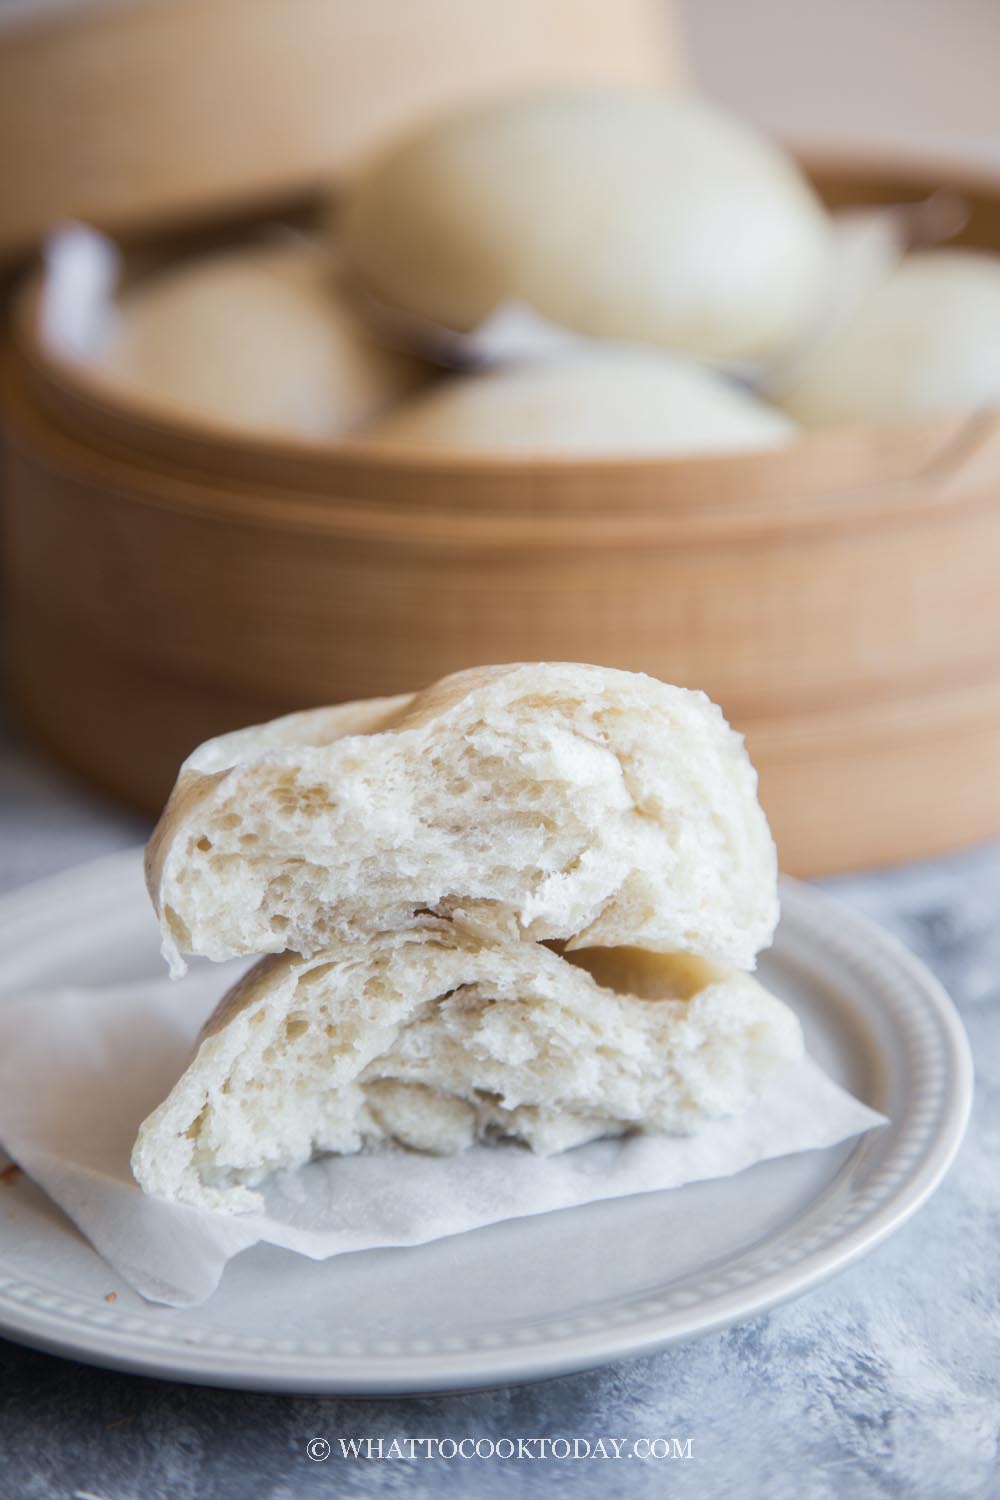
(253, 338)
(620, 214)
(926, 340)
(597, 399)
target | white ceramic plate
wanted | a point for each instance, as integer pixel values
(532, 1297)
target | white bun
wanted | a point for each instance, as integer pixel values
(621, 215)
(596, 400)
(587, 805)
(927, 339)
(435, 1038)
(255, 338)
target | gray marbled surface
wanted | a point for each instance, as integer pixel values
(885, 1382)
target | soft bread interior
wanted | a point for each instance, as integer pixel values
(434, 1038)
(590, 807)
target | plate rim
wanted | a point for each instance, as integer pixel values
(103, 1341)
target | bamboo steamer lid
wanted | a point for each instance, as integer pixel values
(140, 112)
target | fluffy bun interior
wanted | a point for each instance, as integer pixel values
(588, 806)
(433, 1039)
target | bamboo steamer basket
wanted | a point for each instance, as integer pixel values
(141, 112)
(166, 582)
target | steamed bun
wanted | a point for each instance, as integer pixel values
(436, 1038)
(927, 339)
(620, 215)
(253, 338)
(592, 400)
(570, 803)
(515, 905)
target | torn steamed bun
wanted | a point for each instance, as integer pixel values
(593, 807)
(436, 1037)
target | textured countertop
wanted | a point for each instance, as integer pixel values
(885, 1382)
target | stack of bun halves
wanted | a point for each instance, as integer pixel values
(523, 904)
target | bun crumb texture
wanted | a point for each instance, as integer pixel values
(521, 904)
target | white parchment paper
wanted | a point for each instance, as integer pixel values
(80, 1069)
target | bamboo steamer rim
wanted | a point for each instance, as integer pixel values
(351, 487)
